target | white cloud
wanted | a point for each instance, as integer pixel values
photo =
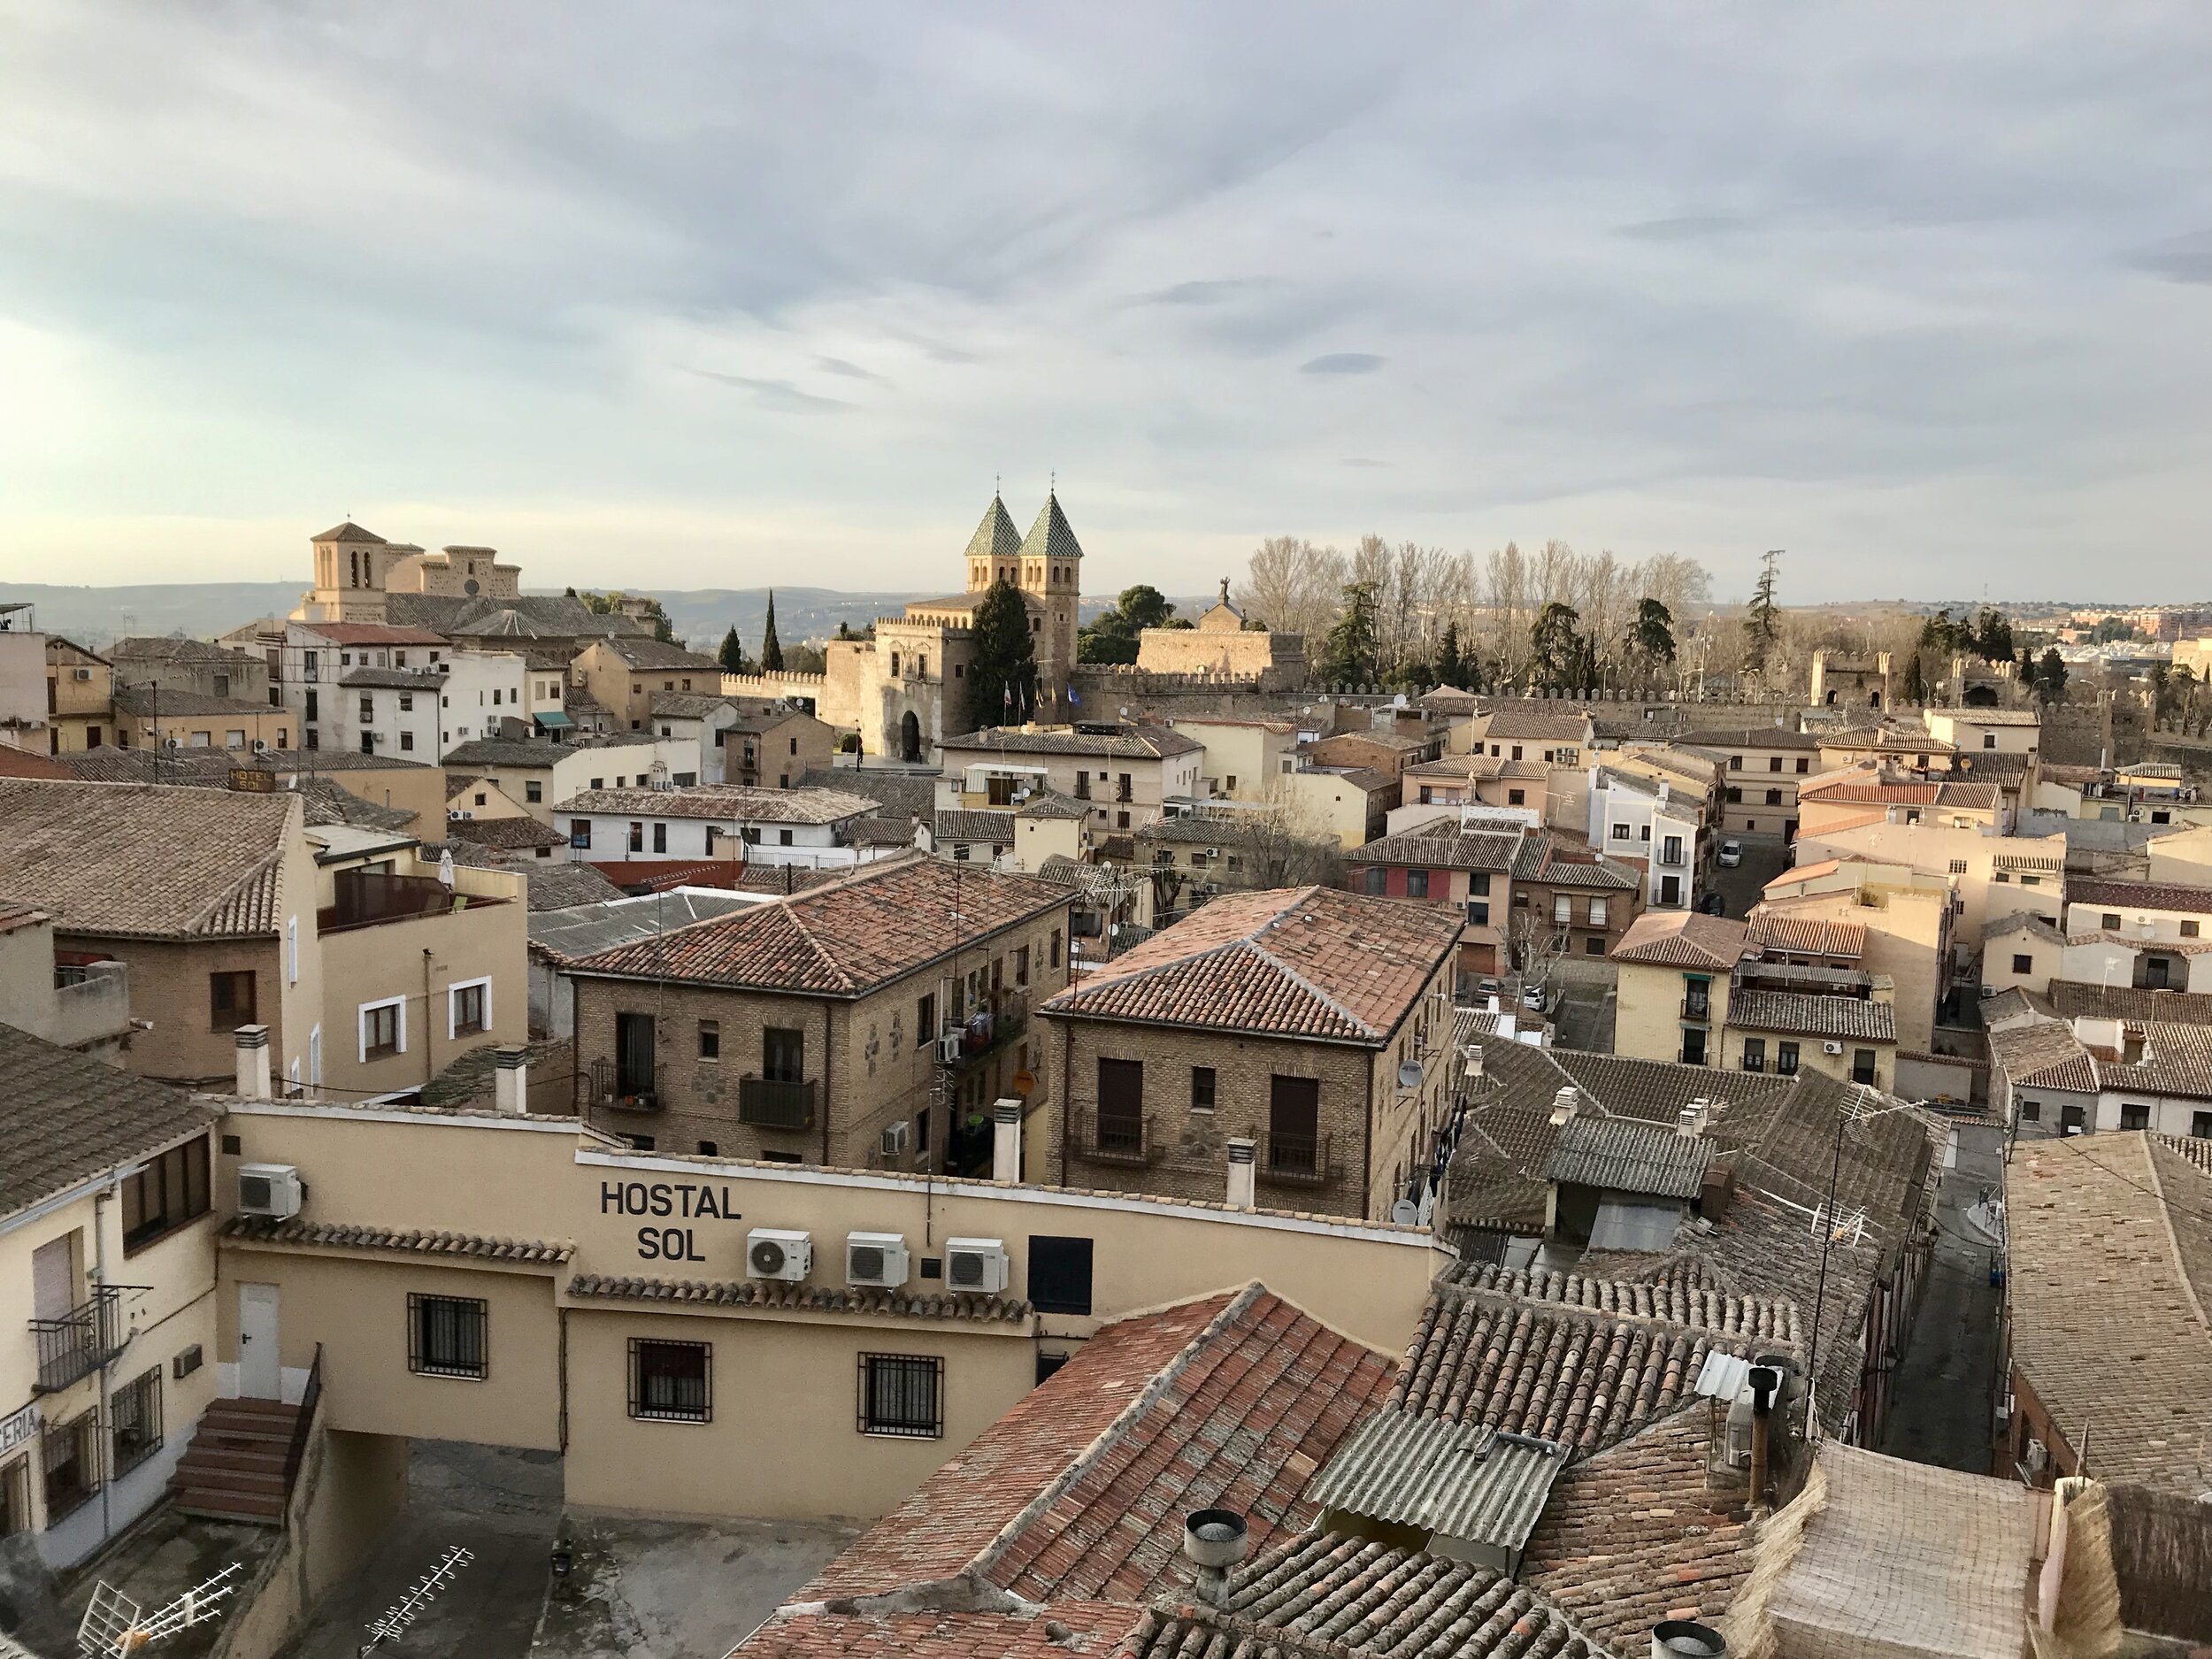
(705, 291)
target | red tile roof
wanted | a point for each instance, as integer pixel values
(1235, 1400)
(2141, 895)
(841, 939)
(1682, 939)
(23, 762)
(372, 634)
(1298, 961)
(1807, 937)
(1634, 1535)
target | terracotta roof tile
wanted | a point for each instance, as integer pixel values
(724, 802)
(1310, 962)
(842, 938)
(750, 1292)
(414, 1242)
(1634, 1535)
(1847, 1017)
(2141, 895)
(143, 860)
(1682, 939)
(1804, 936)
(66, 1117)
(1441, 849)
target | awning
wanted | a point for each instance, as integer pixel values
(550, 721)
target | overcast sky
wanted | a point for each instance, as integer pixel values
(694, 295)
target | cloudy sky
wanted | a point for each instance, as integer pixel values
(710, 294)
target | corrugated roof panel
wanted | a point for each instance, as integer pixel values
(1723, 1375)
(1461, 1480)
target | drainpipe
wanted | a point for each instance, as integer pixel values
(1366, 1143)
(429, 1056)
(828, 1070)
(101, 1313)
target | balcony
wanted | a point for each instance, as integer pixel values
(369, 898)
(1671, 857)
(91, 1008)
(765, 1103)
(1698, 1010)
(78, 1343)
(1116, 1137)
(987, 1031)
(1294, 1160)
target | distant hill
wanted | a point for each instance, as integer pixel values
(94, 617)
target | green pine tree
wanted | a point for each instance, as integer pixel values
(1451, 669)
(1349, 657)
(1763, 618)
(732, 654)
(1002, 678)
(771, 647)
(2050, 676)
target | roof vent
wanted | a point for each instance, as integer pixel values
(1692, 1118)
(1686, 1638)
(1214, 1540)
(1565, 1104)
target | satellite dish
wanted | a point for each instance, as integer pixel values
(1410, 1074)
(1406, 1213)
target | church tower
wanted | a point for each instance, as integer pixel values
(995, 550)
(1051, 570)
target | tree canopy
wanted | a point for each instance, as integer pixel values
(1653, 636)
(1112, 636)
(1002, 678)
(731, 655)
(1350, 658)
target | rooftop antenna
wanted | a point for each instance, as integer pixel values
(115, 1625)
(404, 1611)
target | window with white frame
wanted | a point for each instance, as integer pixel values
(292, 950)
(468, 1008)
(1563, 910)
(383, 1028)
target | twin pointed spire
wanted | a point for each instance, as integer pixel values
(1049, 537)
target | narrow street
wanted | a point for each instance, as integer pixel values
(1940, 1408)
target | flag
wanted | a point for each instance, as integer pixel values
(1073, 701)
(1006, 699)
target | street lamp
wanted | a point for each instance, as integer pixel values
(1845, 1120)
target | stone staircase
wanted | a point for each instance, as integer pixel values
(237, 1466)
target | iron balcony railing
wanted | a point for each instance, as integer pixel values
(1697, 1008)
(1673, 858)
(765, 1103)
(984, 1034)
(1296, 1160)
(1116, 1137)
(78, 1343)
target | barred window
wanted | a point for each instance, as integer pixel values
(70, 1466)
(671, 1382)
(137, 1422)
(903, 1394)
(446, 1336)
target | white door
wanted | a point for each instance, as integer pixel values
(260, 1374)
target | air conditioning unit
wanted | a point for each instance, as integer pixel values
(776, 1253)
(1213, 853)
(81, 673)
(464, 813)
(1832, 1048)
(259, 746)
(975, 1264)
(950, 1046)
(875, 1258)
(896, 1139)
(269, 1189)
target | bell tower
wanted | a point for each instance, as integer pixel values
(1052, 572)
(995, 550)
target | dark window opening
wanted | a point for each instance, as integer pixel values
(170, 1191)
(671, 1382)
(446, 1336)
(1059, 1274)
(902, 1394)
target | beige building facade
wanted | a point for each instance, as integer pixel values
(1223, 645)
(80, 697)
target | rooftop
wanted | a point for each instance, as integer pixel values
(842, 938)
(1536, 724)
(67, 1118)
(393, 680)
(485, 753)
(1621, 1154)
(1441, 847)
(165, 705)
(583, 929)
(144, 860)
(2139, 896)
(1683, 938)
(642, 652)
(1795, 1013)
(1548, 857)
(1806, 936)
(724, 803)
(173, 648)
(1231, 1399)
(1132, 742)
(1300, 962)
(955, 828)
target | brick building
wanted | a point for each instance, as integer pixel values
(1311, 1024)
(869, 1022)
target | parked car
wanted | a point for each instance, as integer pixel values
(1713, 904)
(1532, 998)
(1731, 855)
(1485, 990)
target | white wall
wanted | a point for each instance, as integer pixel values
(482, 688)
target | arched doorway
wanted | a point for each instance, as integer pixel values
(909, 737)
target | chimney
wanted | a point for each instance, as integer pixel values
(510, 1086)
(1565, 1104)
(1244, 1174)
(1214, 1540)
(253, 1062)
(1765, 1383)
(1006, 1143)
(1686, 1638)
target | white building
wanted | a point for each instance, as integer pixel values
(483, 689)
(1648, 823)
(797, 827)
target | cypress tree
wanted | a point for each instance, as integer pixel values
(732, 653)
(1002, 679)
(771, 647)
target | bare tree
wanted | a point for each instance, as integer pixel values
(1293, 588)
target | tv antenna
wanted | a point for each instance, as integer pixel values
(404, 1611)
(114, 1626)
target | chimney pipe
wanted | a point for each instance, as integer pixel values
(1214, 1540)
(1765, 1383)
(253, 1062)
(511, 1082)
(1244, 1193)
(1686, 1638)
(1006, 1143)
